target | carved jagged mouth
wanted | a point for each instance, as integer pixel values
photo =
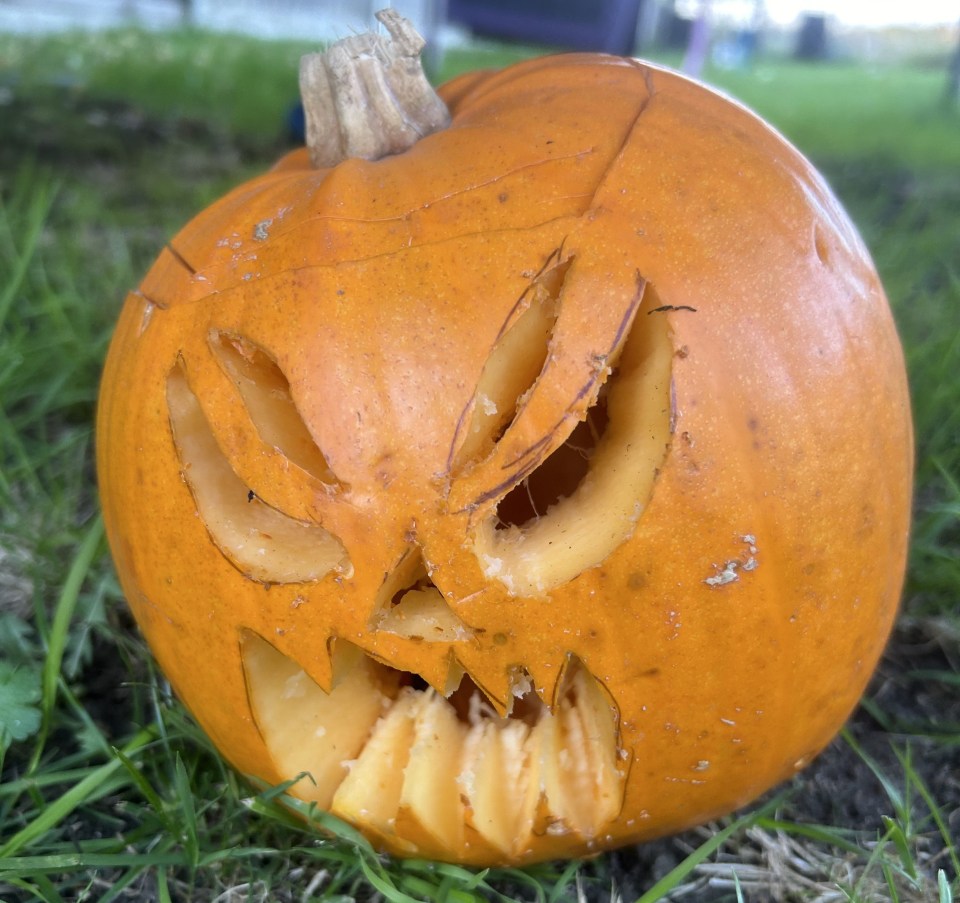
(433, 774)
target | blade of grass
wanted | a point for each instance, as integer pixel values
(188, 812)
(894, 795)
(40, 204)
(943, 886)
(66, 862)
(163, 889)
(379, 879)
(820, 834)
(144, 786)
(43, 890)
(59, 629)
(58, 810)
(891, 884)
(917, 781)
(899, 840)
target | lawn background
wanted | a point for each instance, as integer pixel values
(108, 791)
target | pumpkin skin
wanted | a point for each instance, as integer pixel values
(731, 609)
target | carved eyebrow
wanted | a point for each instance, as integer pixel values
(513, 367)
(266, 394)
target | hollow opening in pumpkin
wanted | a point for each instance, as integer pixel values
(409, 605)
(559, 475)
(584, 499)
(434, 774)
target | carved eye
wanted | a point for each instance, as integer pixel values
(561, 513)
(257, 538)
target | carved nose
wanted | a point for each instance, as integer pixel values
(411, 605)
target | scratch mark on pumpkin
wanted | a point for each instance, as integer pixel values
(494, 180)
(210, 277)
(612, 165)
(426, 205)
(181, 259)
(663, 308)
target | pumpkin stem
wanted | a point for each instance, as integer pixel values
(367, 96)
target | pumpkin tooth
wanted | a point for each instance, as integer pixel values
(308, 731)
(495, 781)
(370, 794)
(598, 721)
(581, 784)
(431, 812)
(567, 788)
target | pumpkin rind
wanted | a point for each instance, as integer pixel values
(736, 626)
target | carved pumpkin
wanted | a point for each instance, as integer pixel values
(536, 489)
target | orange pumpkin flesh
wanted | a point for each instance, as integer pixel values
(537, 490)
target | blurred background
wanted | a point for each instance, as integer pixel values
(736, 29)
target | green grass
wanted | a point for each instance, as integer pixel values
(108, 791)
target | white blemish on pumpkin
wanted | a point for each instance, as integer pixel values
(320, 731)
(702, 765)
(491, 566)
(728, 721)
(147, 316)
(261, 231)
(521, 684)
(488, 404)
(728, 574)
(295, 686)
